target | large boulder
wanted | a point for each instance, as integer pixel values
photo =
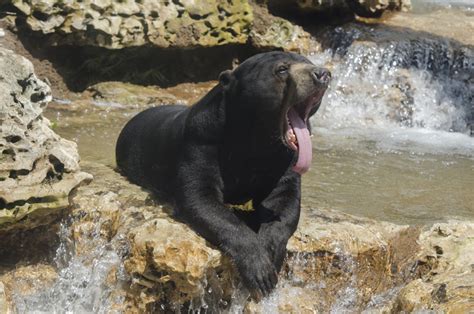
(269, 31)
(38, 168)
(182, 24)
(118, 24)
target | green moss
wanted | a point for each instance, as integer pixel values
(181, 24)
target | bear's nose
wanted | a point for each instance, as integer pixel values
(321, 75)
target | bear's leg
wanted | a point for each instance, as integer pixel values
(200, 204)
(279, 214)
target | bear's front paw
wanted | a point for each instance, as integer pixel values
(257, 272)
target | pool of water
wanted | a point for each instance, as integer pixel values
(399, 175)
(382, 176)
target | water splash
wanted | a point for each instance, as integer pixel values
(82, 285)
(403, 93)
(347, 297)
(373, 87)
(381, 300)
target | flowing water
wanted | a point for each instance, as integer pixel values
(392, 138)
(81, 284)
(391, 141)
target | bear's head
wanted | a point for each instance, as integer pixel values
(275, 94)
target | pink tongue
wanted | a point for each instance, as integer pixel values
(304, 142)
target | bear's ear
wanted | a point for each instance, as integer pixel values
(226, 78)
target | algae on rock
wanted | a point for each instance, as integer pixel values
(117, 24)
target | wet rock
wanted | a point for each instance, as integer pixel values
(447, 252)
(28, 280)
(171, 264)
(38, 168)
(4, 307)
(119, 24)
(129, 94)
(332, 256)
(336, 262)
(369, 8)
(166, 262)
(132, 95)
(22, 282)
(269, 31)
(397, 67)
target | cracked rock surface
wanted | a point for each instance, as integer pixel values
(38, 168)
(119, 24)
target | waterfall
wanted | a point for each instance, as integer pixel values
(403, 87)
(415, 83)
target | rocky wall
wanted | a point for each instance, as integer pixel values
(38, 168)
(118, 24)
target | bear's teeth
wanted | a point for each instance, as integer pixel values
(291, 136)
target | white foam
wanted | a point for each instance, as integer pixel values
(370, 96)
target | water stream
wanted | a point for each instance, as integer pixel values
(392, 138)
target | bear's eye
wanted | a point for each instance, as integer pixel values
(282, 69)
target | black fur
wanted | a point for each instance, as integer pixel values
(226, 149)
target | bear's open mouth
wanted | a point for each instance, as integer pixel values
(297, 135)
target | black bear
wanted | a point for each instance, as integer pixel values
(246, 142)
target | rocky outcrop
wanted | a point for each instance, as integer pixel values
(119, 24)
(269, 31)
(447, 252)
(336, 262)
(38, 168)
(168, 265)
